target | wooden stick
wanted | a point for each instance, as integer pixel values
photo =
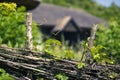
(91, 42)
(29, 30)
(92, 36)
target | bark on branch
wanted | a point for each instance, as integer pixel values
(29, 30)
(91, 42)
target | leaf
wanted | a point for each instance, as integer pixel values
(80, 65)
(61, 77)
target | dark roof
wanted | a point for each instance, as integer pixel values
(48, 14)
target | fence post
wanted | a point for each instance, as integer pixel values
(29, 31)
(91, 42)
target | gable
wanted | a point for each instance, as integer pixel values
(66, 24)
(70, 27)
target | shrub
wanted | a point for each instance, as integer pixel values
(99, 55)
(109, 38)
(55, 48)
(12, 25)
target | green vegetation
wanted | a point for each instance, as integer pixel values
(4, 75)
(0, 40)
(61, 77)
(99, 55)
(107, 42)
(12, 29)
(55, 48)
(112, 75)
(110, 39)
(12, 25)
(80, 65)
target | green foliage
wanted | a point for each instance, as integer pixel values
(55, 48)
(0, 40)
(12, 25)
(80, 65)
(99, 55)
(52, 47)
(106, 36)
(10, 8)
(61, 77)
(112, 75)
(109, 37)
(68, 54)
(4, 75)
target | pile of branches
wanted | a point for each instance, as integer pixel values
(30, 65)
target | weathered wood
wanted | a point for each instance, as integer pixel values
(23, 67)
(90, 43)
(29, 31)
(92, 37)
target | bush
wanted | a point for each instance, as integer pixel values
(55, 48)
(12, 25)
(109, 38)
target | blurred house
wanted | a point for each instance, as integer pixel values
(57, 21)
